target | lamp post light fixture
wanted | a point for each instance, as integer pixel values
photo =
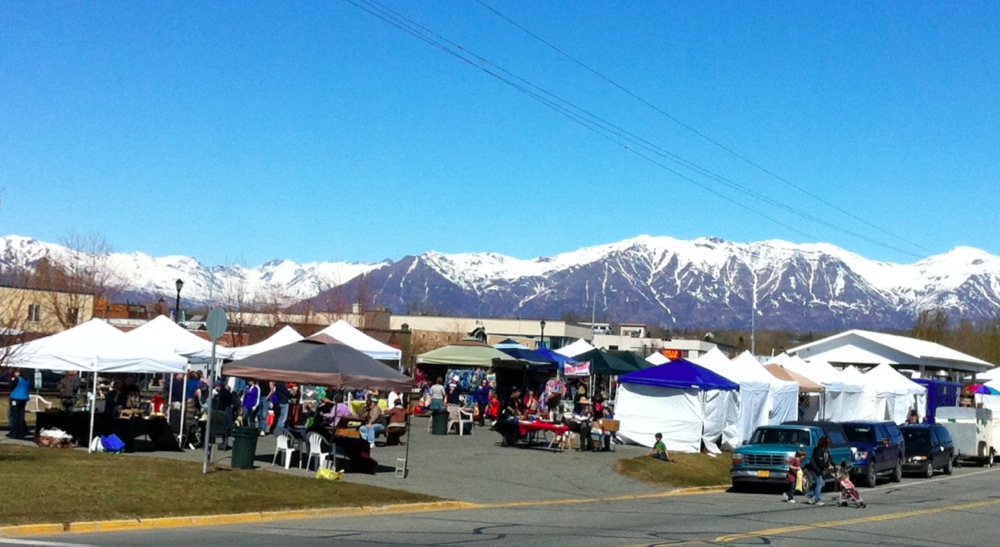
(177, 307)
(541, 342)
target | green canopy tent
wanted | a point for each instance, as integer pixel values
(603, 363)
(633, 359)
(510, 371)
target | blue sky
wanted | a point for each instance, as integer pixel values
(240, 132)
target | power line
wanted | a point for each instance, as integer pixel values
(608, 130)
(697, 132)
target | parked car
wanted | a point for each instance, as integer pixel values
(878, 450)
(764, 458)
(927, 447)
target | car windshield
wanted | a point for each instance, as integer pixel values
(860, 433)
(917, 440)
(767, 435)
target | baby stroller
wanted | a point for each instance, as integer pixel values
(849, 495)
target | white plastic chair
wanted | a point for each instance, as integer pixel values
(456, 416)
(316, 442)
(35, 404)
(286, 445)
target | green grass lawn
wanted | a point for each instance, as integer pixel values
(685, 470)
(43, 485)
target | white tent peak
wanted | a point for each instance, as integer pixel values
(576, 348)
(161, 332)
(348, 335)
(286, 335)
(657, 358)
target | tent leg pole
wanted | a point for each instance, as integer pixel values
(180, 428)
(170, 395)
(93, 405)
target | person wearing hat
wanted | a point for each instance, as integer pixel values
(794, 472)
(584, 417)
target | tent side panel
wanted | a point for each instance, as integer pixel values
(645, 411)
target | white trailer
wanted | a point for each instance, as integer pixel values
(975, 431)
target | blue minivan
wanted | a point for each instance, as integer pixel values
(878, 449)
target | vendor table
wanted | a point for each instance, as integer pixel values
(513, 431)
(128, 430)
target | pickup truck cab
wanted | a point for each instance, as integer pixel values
(764, 458)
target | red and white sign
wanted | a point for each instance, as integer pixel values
(578, 369)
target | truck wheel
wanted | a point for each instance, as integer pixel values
(871, 479)
(948, 467)
(807, 484)
(929, 470)
(897, 472)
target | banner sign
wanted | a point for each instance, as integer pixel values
(578, 369)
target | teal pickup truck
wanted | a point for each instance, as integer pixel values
(764, 458)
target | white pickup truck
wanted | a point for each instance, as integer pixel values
(975, 431)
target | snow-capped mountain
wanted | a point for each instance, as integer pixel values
(139, 275)
(658, 280)
(706, 282)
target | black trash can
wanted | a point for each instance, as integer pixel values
(439, 426)
(244, 447)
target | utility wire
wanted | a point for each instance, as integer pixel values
(700, 134)
(590, 121)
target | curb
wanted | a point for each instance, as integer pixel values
(216, 520)
(333, 512)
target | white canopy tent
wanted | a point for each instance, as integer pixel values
(657, 358)
(992, 375)
(751, 399)
(895, 394)
(867, 406)
(576, 348)
(287, 335)
(841, 396)
(783, 395)
(346, 334)
(164, 335)
(94, 347)
(681, 400)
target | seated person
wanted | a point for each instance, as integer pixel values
(530, 404)
(335, 413)
(373, 422)
(396, 417)
(659, 450)
(514, 407)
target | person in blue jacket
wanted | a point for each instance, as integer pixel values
(482, 400)
(19, 394)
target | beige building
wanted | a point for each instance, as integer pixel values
(41, 311)
(439, 331)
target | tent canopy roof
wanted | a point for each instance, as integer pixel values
(287, 335)
(319, 360)
(535, 359)
(805, 384)
(467, 353)
(94, 346)
(604, 363)
(680, 374)
(349, 335)
(889, 379)
(576, 348)
(166, 335)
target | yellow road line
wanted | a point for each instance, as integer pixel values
(848, 522)
(336, 512)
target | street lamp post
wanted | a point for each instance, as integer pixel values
(541, 343)
(177, 307)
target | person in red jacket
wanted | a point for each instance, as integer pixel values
(494, 407)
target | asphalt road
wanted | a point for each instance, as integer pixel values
(956, 510)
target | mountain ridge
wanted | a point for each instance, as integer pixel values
(654, 279)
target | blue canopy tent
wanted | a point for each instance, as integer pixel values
(939, 393)
(560, 359)
(534, 359)
(690, 405)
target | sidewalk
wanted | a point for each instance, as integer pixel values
(473, 468)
